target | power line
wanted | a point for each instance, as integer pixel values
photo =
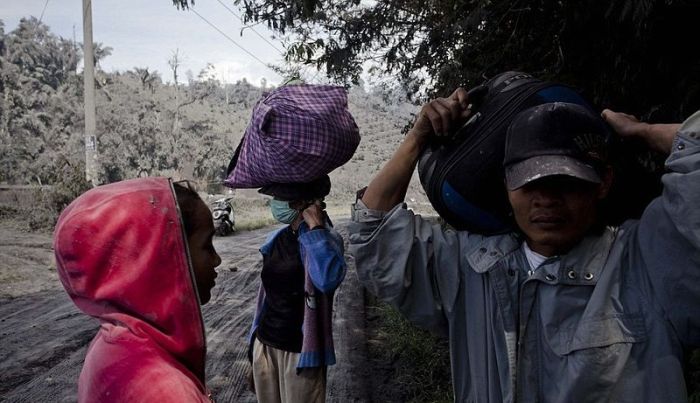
(229, 38)
(42, 11)
(244, 49)
(251, 28)
(268, 42)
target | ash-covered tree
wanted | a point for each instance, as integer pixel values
(40, 101)
(130, 130)
(632, 55)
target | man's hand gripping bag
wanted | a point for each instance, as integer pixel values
(463, 173)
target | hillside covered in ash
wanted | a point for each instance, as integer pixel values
(147, 126)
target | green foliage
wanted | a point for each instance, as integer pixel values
(633, 55)
(421, 360)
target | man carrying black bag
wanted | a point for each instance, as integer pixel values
(563, 309)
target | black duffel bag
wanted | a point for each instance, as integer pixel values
(462, 174)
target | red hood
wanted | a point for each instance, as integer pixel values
(122, 257)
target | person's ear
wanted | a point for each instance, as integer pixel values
(607, 179)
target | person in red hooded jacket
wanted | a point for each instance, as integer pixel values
(138, 256)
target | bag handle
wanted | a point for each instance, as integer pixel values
(476, 97)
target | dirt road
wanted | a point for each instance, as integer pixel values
(43, 337)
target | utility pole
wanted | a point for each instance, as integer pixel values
(89, 91)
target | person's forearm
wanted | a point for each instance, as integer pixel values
(388, 188)
(660, 136)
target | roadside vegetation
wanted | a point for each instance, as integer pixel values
(251, 214)
(409, 362)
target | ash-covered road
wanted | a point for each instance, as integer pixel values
(43, 337)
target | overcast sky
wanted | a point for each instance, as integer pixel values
(145, 33)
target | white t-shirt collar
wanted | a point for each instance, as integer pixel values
(533, 258)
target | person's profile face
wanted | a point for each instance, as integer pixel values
(202, 252)
(555, 212)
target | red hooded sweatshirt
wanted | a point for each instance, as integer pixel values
(122, 257)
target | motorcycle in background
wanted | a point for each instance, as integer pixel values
(222, 212)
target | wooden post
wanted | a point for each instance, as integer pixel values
(89, 96)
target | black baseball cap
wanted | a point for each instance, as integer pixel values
(555, 138)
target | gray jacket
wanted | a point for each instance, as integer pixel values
(607, 322)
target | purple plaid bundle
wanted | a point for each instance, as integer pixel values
(297, 133)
